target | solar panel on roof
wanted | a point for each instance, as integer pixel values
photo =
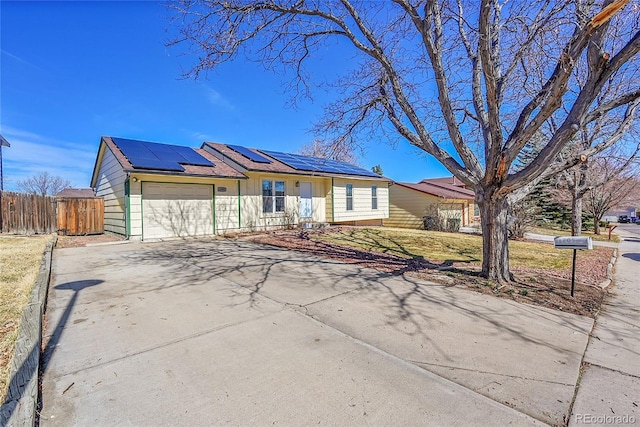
(316, 164)
(135, 149)
(157, 164)
(191, 157)
(152, 155)
(161, 151)
(249, 154)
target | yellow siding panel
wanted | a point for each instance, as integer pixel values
(409, 206)
(362, 203)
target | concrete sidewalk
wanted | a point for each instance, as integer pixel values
(609, 392)
(223, 332)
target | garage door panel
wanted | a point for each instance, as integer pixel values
(177, 210)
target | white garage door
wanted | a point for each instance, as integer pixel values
(176, 210)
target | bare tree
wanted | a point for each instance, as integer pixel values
(469, 82)
(326, 150)
(619, 188)
(44, 184)
(594, 176)
(522, 217)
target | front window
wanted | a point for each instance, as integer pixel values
(349, 197)
(374, 197)
(272, 196)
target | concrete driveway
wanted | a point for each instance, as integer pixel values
(210, 332)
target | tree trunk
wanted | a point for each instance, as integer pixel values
(495, 242)
(596, 225)
(576, 214)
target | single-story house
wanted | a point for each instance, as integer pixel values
(154, 191)
(439, 203)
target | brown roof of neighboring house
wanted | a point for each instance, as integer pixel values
(439, 188)
(218, 170)
(449, 180)
(275, 166)
(79, 193)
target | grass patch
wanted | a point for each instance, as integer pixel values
(445, 247)
(20, 258)
(541, 274)
(604, 237)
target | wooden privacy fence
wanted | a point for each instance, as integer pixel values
(27, 213)
(79, 216)
(35, 214)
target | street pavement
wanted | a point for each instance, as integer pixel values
(609, 391)
(210, 332)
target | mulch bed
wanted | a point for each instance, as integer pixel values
(547, 288)
(79, 241)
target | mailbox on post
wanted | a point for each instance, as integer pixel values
(575, 243)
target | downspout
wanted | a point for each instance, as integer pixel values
(141, 213)
(333, 202)
(239, 208)
(127, 211)
(213, 207)
(388, 200)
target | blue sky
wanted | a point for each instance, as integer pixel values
(73, 71)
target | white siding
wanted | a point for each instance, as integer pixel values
(362, 210)
(110, 186)
(226, 203)
(135, 209)
(252, 216)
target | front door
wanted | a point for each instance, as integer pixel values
(306, 201)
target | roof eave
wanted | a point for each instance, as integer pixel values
(160, 172)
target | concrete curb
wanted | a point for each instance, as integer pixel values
(19, 407)
(605, 283)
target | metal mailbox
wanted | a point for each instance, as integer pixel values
(573, 242)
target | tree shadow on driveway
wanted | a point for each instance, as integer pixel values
(430, 325)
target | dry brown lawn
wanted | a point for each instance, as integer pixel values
(20, 260)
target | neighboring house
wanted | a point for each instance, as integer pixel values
(154, 190)
(439, 203)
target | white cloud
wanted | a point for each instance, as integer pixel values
(202, 137)
(31, 153)
(16, 57)
(217, 99)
